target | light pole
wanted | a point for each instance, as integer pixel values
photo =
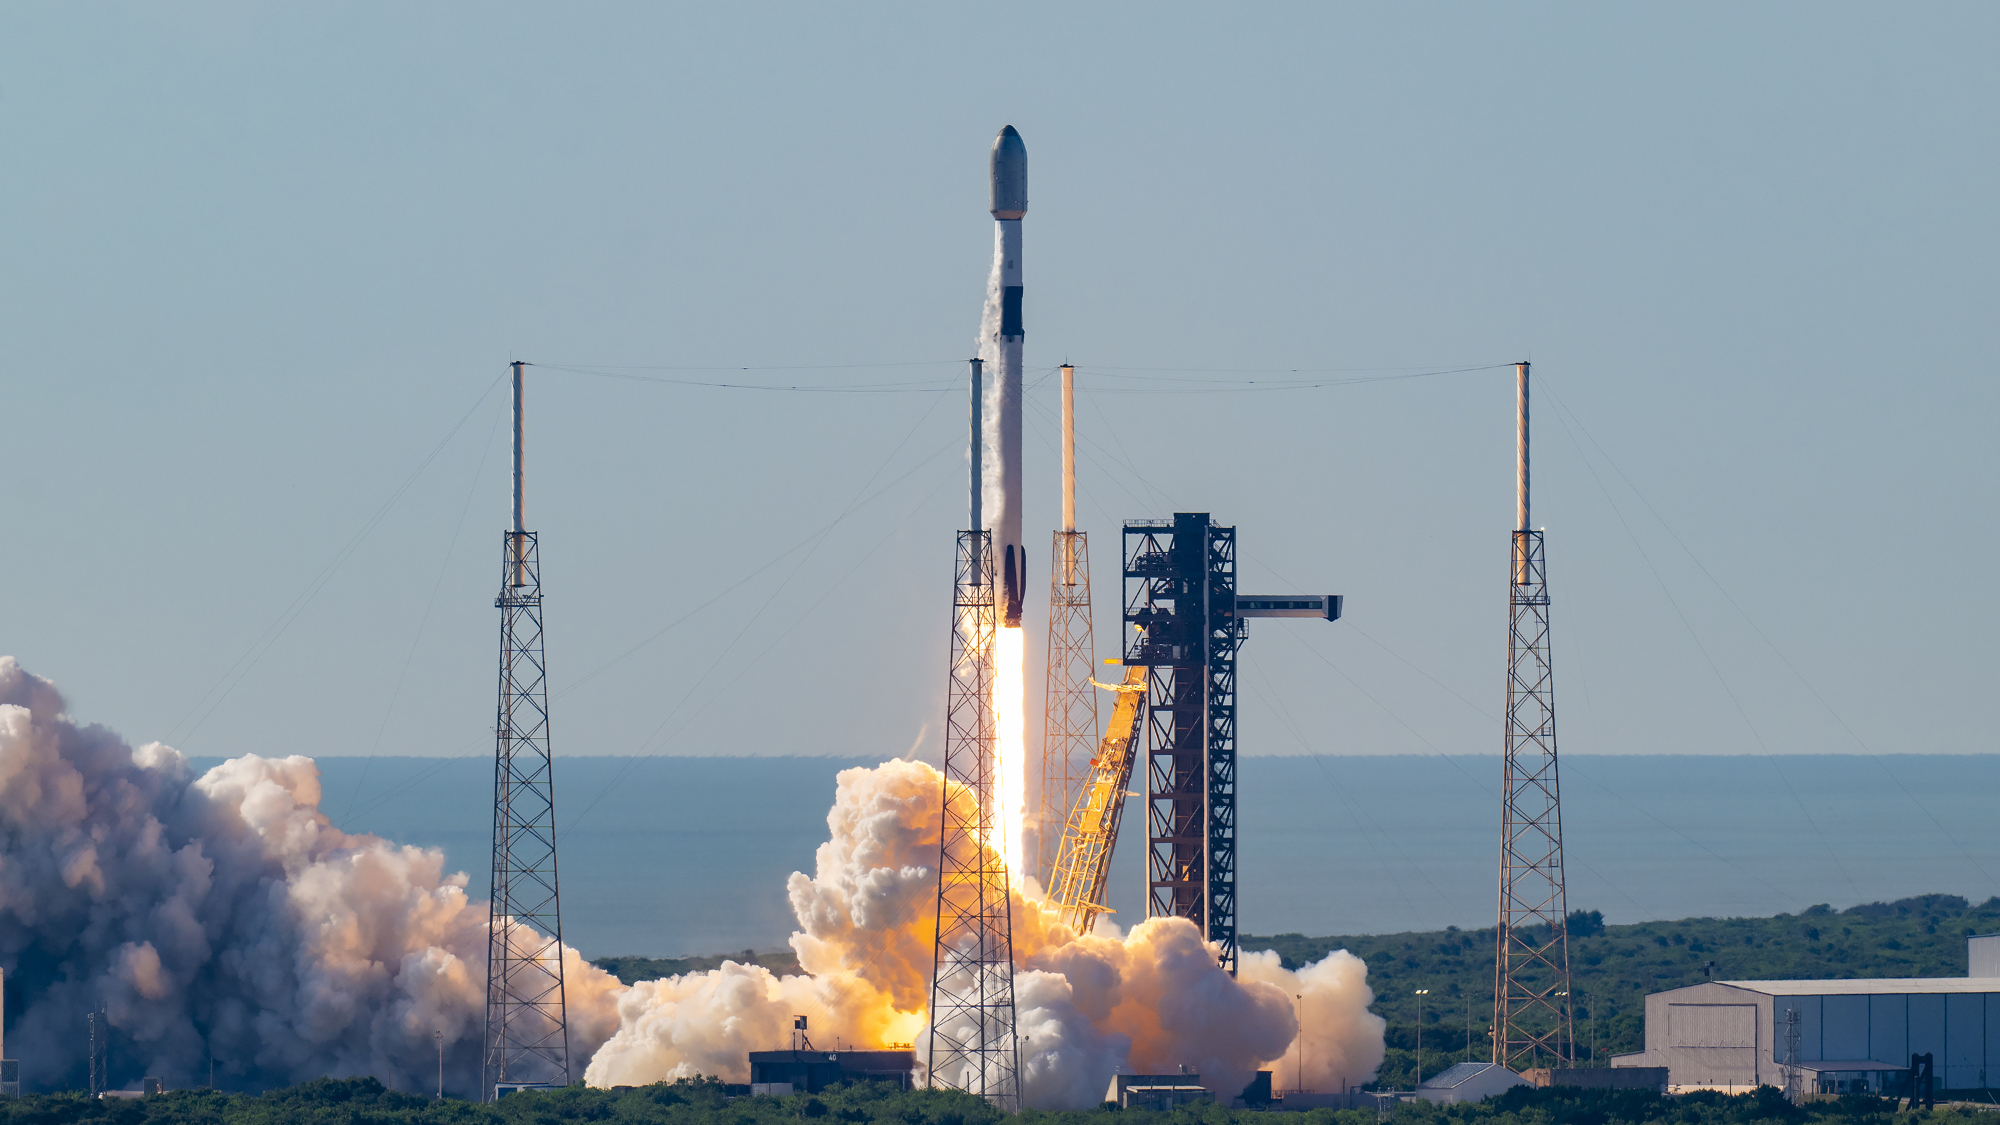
(1572, 1046)
(439, 1036)
(1421, 993)
(1593, 1031)
(1299, 1080)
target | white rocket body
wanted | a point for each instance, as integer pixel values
(1000, 345)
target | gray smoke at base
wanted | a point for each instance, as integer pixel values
(224, 914)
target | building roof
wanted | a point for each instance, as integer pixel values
(1458, 1074)
(1825, 1067)
(1866, 986)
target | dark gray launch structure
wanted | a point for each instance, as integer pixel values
(527, 1030)
(1180, 592)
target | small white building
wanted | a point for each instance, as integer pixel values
(1468, 1082)
(1850, 1036)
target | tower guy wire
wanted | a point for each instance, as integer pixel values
(1531, 1005)
(527, 1029)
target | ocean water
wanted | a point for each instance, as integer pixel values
(672, 856)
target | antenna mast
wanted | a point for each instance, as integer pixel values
(527, 1030)
(1069, 713)
(1531, 1006)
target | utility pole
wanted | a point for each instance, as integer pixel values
(1593, 1029)
(1421, 993)
(1301, 1077)
(1791, 1066)
(1531, 1011)
(439, 1036)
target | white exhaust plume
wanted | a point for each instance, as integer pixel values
(225, 913)
(1151, 1000)
(1338, 1047)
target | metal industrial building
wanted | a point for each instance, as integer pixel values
(1850, 1036)
(811, 1071)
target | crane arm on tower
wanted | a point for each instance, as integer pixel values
(1083, 863)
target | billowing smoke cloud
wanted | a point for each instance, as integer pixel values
(1148, 1001)
(1343, 1044)
(225, 914)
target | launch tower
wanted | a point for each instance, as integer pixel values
(1180, 592)
(527, 1031)
(972, 1044)
(1531, 1006)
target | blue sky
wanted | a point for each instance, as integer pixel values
(263, 262)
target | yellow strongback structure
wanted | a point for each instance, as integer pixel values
(1083, 863)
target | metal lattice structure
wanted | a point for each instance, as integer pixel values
(527, 1029)
(1180, 590)
(100, 1050)
(1083, 863)
(972, 1042)
(1532, 1024)
(1069, 721)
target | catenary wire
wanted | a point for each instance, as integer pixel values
(1564, 408)
(252, 656)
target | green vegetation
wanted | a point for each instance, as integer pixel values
(631, 970)
(1614, 967)
(364, 1101)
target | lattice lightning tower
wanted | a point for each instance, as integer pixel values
(1069, 725)
(972, 1043)
(1532, 1025)
(527, 1030)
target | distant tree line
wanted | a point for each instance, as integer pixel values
(364, 1101)
(1614, 967)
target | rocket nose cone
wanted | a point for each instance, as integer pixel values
(1010, 175)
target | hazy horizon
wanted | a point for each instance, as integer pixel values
(1377, 844)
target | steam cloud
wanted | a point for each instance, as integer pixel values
(1088, 1006)
(225, 913)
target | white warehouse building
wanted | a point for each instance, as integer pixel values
(1853, 1036)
